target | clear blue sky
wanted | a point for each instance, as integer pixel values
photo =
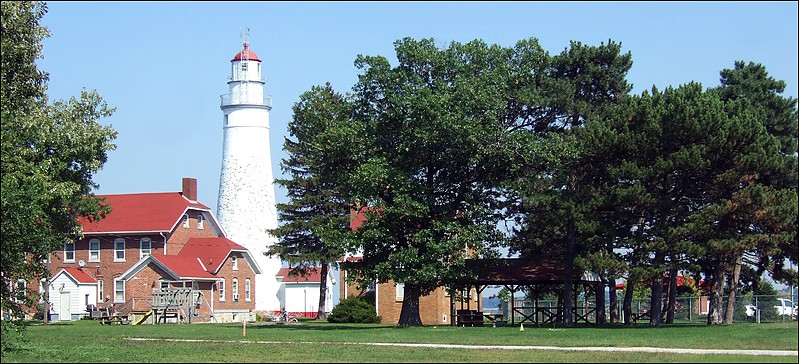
(163, 65)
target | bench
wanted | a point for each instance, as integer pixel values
(644, 315)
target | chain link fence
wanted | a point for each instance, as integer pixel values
(773, 308)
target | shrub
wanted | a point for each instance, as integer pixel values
(354, 310)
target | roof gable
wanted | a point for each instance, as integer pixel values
(141, 212)
(77, 275)
(212, 252)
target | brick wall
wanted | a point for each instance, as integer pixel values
(434, 309)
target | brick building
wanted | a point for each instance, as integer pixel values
(153, 242)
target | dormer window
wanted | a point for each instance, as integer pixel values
(200, 222)
(186, 221)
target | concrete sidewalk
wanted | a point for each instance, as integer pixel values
(509, 347)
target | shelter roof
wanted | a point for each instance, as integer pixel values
(523, 271)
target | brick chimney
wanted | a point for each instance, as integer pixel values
(190, 188)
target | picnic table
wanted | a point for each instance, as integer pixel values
(120, 319)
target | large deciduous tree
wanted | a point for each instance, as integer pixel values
(49, 153)
(436, 134)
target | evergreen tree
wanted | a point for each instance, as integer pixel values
(315, 204)
(559, 205)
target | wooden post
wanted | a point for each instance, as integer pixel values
(244, 327)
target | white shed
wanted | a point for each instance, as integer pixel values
(300, 294)
(71, 290)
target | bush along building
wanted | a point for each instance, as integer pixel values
(157, 257)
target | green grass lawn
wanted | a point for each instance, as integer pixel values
(309, 341)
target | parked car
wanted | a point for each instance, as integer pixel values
(785, 307)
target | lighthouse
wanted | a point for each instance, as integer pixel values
(246, 205)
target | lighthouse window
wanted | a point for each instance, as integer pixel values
(243, 66)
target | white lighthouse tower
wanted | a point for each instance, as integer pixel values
(246, 206)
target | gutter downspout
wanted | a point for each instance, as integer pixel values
(163, 236)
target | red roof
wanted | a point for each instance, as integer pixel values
(350, 259)
(246, 53)
(211, 251)
(358, 219)
(79, 275)
(183, 266)
(313, 276)
(141, 212)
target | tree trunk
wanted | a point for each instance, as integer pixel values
(600, 303)
(46, 294)
(568, 279)
(628, 302)
(656, 300)
(672, 298)
(716, 293)
(736, 273)
(321, 314)
(409, 316)
(614, 312)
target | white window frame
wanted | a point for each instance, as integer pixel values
(145, 252)
(69, 253)
(235, 289)
(100, 289)
(234, 262)
(117, 243)
(200, 221)
(186, 221)
(222, 290)
(21, 289)
(119, 295)
(400, 293)
(94, 254)
(247, 292)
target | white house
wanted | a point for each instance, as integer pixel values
(71, 291)
(299, 294)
